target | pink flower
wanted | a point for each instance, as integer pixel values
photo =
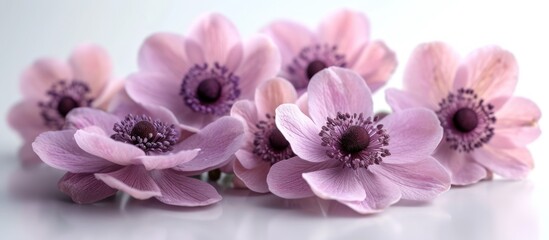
(486, 129)
(51, 89)
(265, 145)
(146, 155)
(346, 154)
(342, 39)
(200, 76)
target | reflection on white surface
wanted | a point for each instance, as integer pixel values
(489, 210)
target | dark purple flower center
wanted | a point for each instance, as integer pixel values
(311, 60)
(210, 89)
(467, 120)
(62, 98)
(355, 141)
(269, 143)
(152, 136)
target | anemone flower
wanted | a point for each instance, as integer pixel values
(51, 89)
(147, 155)
(486, 129)
(342, 39)
(344, 153)
(199, 77)
(264, 145)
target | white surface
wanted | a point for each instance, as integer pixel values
(31, 207)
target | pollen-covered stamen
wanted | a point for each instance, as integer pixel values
(269, 143)
(152, 136)
(63, 97)
(466, 119)
(210, 89)
(310, 61)
(355, 141)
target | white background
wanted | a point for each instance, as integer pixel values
(31, 207)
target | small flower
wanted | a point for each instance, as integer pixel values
(347, 154)
(486, 129)
(199, 77)
(342, 40)
(51, 89)
(146, 155)
(265, 145)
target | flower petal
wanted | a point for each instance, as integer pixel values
(420, 181)
(380, 193)
(273, 93)
(168, 160)
(430, 72)
(41, 75)
(490, 71)
(217, 36)
(290, 37)
(516, 124)
(105, 147)
(84, 188)
(254, 178)
(245, 110)
(376, 63)
(156, 89)
(336, 183)
(59, 150)
(462, 168)
(400, 100)
(513, 163)
(347, 29)
(133, 180)
(248, 160)
(261, 62)
(92, 65)
(301, 133)
(285, 178)
(164, 53)
(26, 119)
(80, 118)
(27, 156)
(180, 190)
(413, 134)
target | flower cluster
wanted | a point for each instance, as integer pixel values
(288, 111)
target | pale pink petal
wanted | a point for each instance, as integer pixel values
(376, 63)
(516, 123)
(336, 90)
(168, 160)
(490, 71)
(380, 193)
(336, 183)
(248, 159)
(347, 29)
(245, 110)
(400, 100)
(261, 62)
(133, 180)
(104, 100)
(59, 150)
(513, 163)
(430, 71)
(157, 90)
(290, 37)
(164, 53)
(254, 178)
(301, 132)
(107, 148)
(285, 178)
(84, 188)
(27, 156)
(26, 119)
(80, 118)
(41, 75)
(462, 168)
(413, 134)
(180, 190)
(303, 103)
(194, 52)
(217, 36)
(273, 93)
(421, 181)
(218, 141)
(91, 64)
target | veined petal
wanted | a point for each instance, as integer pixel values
(513, 163)
(254, 178)
(164, 53)
(336, 183)
(375, 63)
(516, 123)
(84, 188)
(285, 178)
(347, 29)
(217, 35)
(462, 168)
(80, 118)
(179, 190)
(290, 37)
(380, 193)
(167, 160)
(273, 93)
(107, 148)
(133, 180)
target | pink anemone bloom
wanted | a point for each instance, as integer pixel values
(486, 129)
(346, 154)
(144, 155)
(342, 39)
(199, 77)
(51, 89)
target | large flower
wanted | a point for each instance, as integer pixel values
(486, 129)
(342, 39)
(199, 77)
(51, 89)
(344, 153)
(145, 155)
(264, 145)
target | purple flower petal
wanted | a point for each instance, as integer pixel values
(80, 118)
(380, 193)
(513, 163)
(336, 183)
(25, 118)
(133, 180)
(156, 89)
(273, 93)
(180, 190)
(254, 178)
(290, 37)
(38, 78)
(376, 63)
(217, 36)
(246, 111)
(164, 53)
(517, 123)
(347, 29)
(400, 100)
(167, 161)
(84, 188)
(92, 65)
(107, 148)
(285, 178)
(462, 168)
(27, 156)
